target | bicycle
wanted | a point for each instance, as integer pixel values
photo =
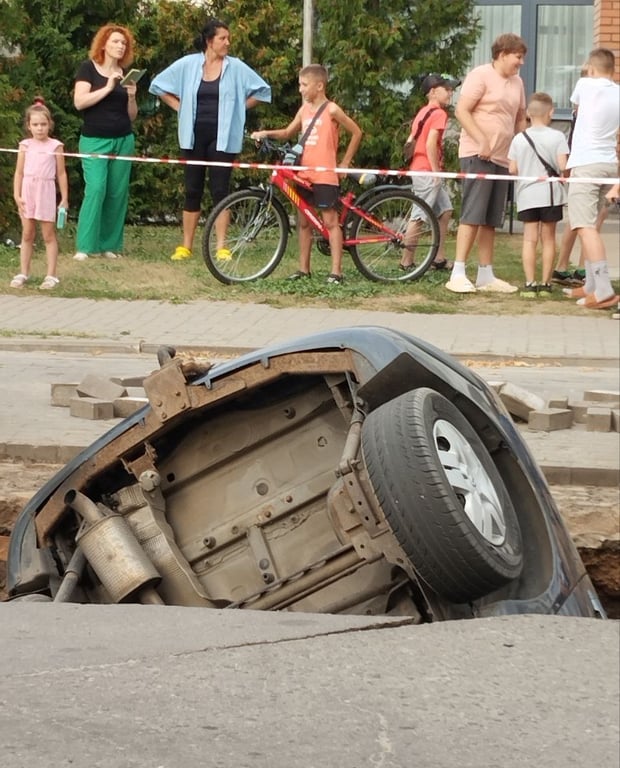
(386, 242)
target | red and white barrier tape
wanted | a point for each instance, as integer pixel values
(343, 171)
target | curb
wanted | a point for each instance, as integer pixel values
(99, 346)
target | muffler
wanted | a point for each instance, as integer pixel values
(113, 552)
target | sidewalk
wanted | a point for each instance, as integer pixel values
(120, 338)
(31, 322)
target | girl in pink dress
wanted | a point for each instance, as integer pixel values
(40, 165)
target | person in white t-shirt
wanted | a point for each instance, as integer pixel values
(593, 156)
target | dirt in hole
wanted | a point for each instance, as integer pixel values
(591, 513)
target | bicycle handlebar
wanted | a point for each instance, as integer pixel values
(267, 146)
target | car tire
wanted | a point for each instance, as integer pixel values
(442, 495)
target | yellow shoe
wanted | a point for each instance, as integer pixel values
(223, 254)
(180, 253)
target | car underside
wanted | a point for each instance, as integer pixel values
(359, 471)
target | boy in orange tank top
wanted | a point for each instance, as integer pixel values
(320, 149)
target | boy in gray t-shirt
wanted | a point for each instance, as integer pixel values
(537, 152)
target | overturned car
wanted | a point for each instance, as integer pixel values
(355, 471)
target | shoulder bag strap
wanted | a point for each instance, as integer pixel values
(418, 131)
(551, 171)
(316, 116)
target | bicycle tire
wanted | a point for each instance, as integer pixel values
(380, 261)
(256, 237)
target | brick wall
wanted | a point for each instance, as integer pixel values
(607, 28)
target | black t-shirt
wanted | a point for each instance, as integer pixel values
(108, 118)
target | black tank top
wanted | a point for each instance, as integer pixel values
(208, 104)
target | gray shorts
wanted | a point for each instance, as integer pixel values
(586, 200)
(436, 195)
(484, 200)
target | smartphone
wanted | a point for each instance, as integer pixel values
(133, 76)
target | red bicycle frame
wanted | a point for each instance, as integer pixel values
(281, 177)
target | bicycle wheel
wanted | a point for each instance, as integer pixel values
(396, 238)
(256, 236)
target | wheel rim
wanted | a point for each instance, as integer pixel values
(470, 482)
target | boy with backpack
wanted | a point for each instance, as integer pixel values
(426, 147)
(538, 151)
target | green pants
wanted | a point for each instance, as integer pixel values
(101, 221)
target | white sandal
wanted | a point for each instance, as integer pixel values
(19, 280)
(49, 283)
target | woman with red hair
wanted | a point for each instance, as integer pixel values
(108, 110)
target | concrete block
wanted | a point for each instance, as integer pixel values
(598, 420)
(61, 394)
(135, 392)
(580, 410)
(100, 387)
(496, 385)
(520, 402)
(557, 402)
(607, 396)
(550, 419)
(91, 408)
(126, 406)
(615, 420)
(128, 381)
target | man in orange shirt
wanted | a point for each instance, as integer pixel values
(320, 149)
(491, 110)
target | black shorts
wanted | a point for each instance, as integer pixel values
(322, 196)
(547, 214)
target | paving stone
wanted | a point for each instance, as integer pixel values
(496, 385)
(607, 396)
(100, 387)
(128, 381)
(598, 420)
(126, 406)
(549, 419)
(580, 410)
(92, 408)
(62, 393)
(557, 402)
(520, 402)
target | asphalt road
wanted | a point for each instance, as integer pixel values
(135, 686)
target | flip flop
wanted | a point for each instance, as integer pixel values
(442, 264)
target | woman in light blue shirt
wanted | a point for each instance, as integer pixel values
(210, 91)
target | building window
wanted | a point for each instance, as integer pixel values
(559, 35)
(564, 37)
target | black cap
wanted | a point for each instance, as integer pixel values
(434, 81)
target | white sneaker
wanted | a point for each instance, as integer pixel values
(498, 286)
(460, 284)
(111, 255)
(80, 256)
